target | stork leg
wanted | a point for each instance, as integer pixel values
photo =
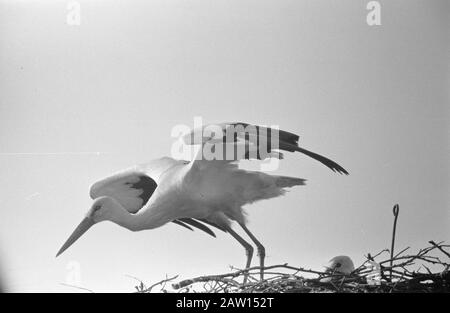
(248, 250)
(259, 246)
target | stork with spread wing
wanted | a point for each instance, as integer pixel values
(202, 193)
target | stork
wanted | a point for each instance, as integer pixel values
(202, 193)
(340, 265)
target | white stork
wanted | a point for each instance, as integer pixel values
(340, 265)
(201, 193)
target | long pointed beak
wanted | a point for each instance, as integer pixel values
(85, 224)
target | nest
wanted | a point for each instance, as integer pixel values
(424, 271)
(373, 275)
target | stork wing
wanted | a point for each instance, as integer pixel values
(133, 187)
(255, 138)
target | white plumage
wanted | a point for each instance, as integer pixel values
(198, 194)
(341, 264)
(338, 266)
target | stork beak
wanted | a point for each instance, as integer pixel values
(85, 224)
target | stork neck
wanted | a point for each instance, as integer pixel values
(124, 218)
(139, 221)
(155, 217)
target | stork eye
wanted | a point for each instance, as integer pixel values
(97, 207)
(338, 264)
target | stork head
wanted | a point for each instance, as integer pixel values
(340, 264)
(103, 209)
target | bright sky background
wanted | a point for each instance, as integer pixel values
(373, 98)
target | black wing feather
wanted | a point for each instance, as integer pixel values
(182, 224)
(147, 185)
(198, 225)
(289, 142)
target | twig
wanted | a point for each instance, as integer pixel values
(395, 210)
(398, 254)
(164, 281)
(78, 287)
(439, 247)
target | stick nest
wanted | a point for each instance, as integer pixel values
(401, 273)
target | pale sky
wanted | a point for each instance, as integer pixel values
(373, 98)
